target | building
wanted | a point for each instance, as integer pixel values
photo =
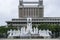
(32, 11)
(36, 12)
(29, 15)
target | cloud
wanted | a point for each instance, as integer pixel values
(8, 10)
(52, 8)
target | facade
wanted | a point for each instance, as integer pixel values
(32, 11)
(36, 12)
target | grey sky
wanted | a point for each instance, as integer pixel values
(9, 9)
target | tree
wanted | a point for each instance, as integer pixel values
(34, 26)
(3, 30)
(43, 26)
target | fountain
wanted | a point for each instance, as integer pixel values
(25, 33)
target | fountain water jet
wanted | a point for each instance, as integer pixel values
(28, 33)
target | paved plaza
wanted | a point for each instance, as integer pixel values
(29, 39)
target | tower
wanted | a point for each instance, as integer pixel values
(33, 11)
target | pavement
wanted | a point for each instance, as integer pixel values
(29, 39)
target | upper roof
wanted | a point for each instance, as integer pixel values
(30, 2)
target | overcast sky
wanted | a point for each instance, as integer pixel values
(9, 9)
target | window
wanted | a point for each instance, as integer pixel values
(20, 2)
(40, 2)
